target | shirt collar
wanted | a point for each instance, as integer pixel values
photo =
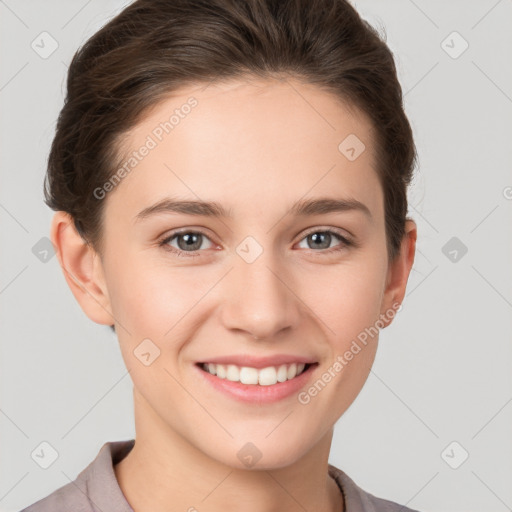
(99, 478)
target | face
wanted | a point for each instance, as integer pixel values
(287, 271)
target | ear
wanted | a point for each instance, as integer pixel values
(82, 269)
(398, 274)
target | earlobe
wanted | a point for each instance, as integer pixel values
(398, 273)
(82, 269)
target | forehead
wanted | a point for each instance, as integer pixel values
(250, 140)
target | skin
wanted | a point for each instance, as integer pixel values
(255, 146)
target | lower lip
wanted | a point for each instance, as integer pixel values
(255, 393)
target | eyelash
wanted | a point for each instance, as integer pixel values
(346, 242)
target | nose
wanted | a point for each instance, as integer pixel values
(259, 299)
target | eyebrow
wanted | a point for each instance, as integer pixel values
(302, 208)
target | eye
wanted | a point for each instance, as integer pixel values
(188, 242)
(321, 239)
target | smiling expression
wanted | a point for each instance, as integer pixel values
(246, 237)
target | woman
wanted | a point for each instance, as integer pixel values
(204, 149)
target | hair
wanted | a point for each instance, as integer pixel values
(155, 47)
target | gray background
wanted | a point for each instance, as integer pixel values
(443, 369)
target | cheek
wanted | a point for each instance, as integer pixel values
(149, 299)
(349, 311)
(346, 299)
(153, 302)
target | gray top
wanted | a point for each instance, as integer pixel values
(96, 489)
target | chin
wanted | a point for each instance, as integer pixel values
(263, 454)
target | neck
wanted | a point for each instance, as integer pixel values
(164, 472)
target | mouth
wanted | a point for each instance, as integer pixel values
(268, 376)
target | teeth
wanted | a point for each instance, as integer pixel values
(221, 371)
(264, 377)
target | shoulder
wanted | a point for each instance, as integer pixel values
(67, 497)
(95, 489)
(359, 500)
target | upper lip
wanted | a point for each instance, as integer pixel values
(259, 362)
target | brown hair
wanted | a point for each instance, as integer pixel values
(154, 47)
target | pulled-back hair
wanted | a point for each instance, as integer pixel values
(155, 47)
